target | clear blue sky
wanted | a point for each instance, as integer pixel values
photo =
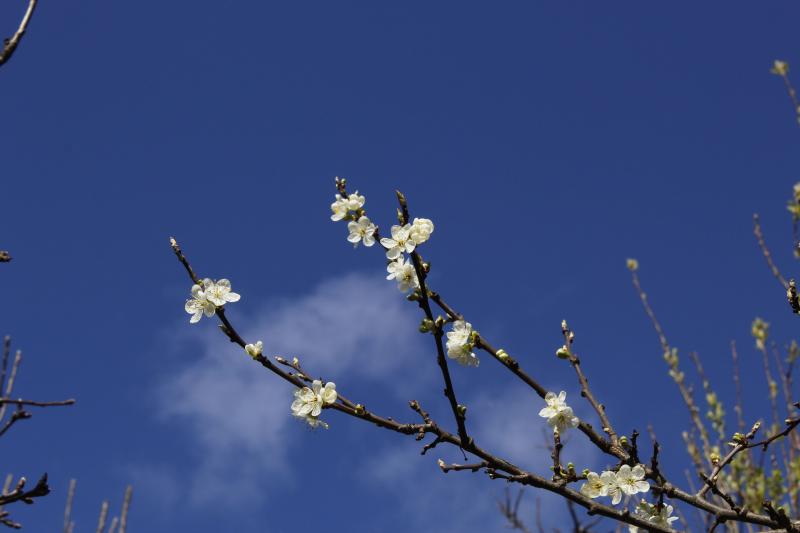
(547, 141)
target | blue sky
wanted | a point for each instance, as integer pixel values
(547, 141)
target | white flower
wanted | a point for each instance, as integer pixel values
(651, 513)
(631, 480)
(199, 305)
(421, 230)
(459, 344)
(219, 293)
(399, 243)
(558, 414)
(403, 272)
(339, 208)
(308, 402)
(254, 350)
(595, 486)
(613, 490)
(363, 230)
(342, 206)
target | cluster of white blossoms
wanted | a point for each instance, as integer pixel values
(207, 298)
(361, 229)
(558, 414)
(626, 481)
(406, 238)
(341, 206)
(460, 344)
(650, 512)
(308, 402)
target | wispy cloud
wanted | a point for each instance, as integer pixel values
(237, 416)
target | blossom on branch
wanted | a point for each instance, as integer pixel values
(400, 242)
(363, 230)
(403, 272)
(198, 305)
(660, 517)
(421, 230)
(558, 414)
(308, 402)
(206, 298)
(597, 485)
(254, 350)
(341, 206)
(629, 481)
(219, 292)
(460, 344)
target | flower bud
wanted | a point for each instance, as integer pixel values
(563, 352)
(254, 350)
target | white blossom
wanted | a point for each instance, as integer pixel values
(254, 350)
(198, 305)
(631, 480)
(363, 230)
(403, 272)
(219, 292)
(308, 402)
(595, 486)
(400, 242)
(651, 513)
(421, 230)
(558, 414)
(613, 490)
(341, 206)
(460, 344)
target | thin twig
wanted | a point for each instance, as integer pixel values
(101, 521)
(766, 253)
(738, 385)
(12, 42)
(68, 506)
(686, 394)
(126, 505)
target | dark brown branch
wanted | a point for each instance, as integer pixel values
(791, 423)
(34, 403)
(11, 43)
(438, 333)
(18, 494)
(457, 467)
(501, 469)
(587, 393)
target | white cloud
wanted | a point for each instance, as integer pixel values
(237, 414)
